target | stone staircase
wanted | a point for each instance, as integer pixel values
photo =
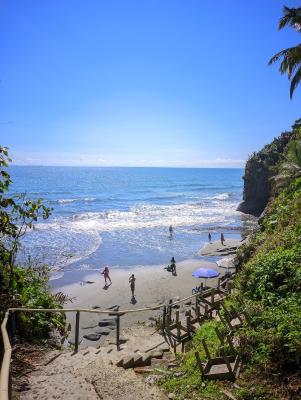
(92, 373)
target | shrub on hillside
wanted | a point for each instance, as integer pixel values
(271, 276)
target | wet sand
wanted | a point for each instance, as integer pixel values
(216, 249)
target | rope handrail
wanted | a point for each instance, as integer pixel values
(112, 311)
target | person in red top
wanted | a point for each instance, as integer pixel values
(106, 275)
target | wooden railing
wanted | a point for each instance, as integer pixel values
(5, 369)
(5, 388)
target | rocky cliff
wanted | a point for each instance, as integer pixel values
(260, 170)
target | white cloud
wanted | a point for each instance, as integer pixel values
(176, 159)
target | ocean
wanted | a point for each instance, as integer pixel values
(120, 216)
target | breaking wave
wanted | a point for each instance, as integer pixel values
(144, 216)
(64, 201)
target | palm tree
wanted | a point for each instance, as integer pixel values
(290, 58)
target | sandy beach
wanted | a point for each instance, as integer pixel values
(154, 286)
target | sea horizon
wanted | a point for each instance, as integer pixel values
(119, 166)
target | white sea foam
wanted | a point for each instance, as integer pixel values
(60, 244)
(80, 234)
(63, 201)
(222, 196)
(144, 216)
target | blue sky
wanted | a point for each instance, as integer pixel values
(144, 82)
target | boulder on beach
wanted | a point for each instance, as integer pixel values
(106, 322)
(93, 336)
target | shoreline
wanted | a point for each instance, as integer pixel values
(154, 286)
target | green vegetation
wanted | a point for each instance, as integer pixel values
(270, 281)
(23, 286)
(290, 57)
(186, 382)
(268, 288)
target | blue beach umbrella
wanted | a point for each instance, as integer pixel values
(205, 273)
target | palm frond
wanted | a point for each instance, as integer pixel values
(291, 17)
(295, 81)
(276, 57)
(291, 61)
(290, 64)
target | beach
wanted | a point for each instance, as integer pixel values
(120, 217)
(154, 286)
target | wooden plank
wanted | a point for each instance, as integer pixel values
(206, 349)
(228, 394)
(199, 362)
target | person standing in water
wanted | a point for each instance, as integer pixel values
(170, 231)
(222, 239)
(132, 280)
(209, 237)
(106, 275)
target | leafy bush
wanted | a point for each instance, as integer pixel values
(188, 381)
(33, 292)
(22, 287)
(274, 334)
(268, 276)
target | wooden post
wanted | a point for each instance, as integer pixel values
(223, 320)
(169, 311)
(219, 283)
(188, 323)
(76, 331)
(118, 332)
(230, 344)
(164, 319)
(175, 346)
(178, 325)
(199, 362)
(206, 349)
(212, 296)
(221, 339)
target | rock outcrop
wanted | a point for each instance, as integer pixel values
(259, 172)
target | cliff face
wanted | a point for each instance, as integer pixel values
(259, 172)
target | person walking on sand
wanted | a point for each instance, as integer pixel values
(173, 267)
(222, 239)
(209, 237)
(106, 275)
(132, 280)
